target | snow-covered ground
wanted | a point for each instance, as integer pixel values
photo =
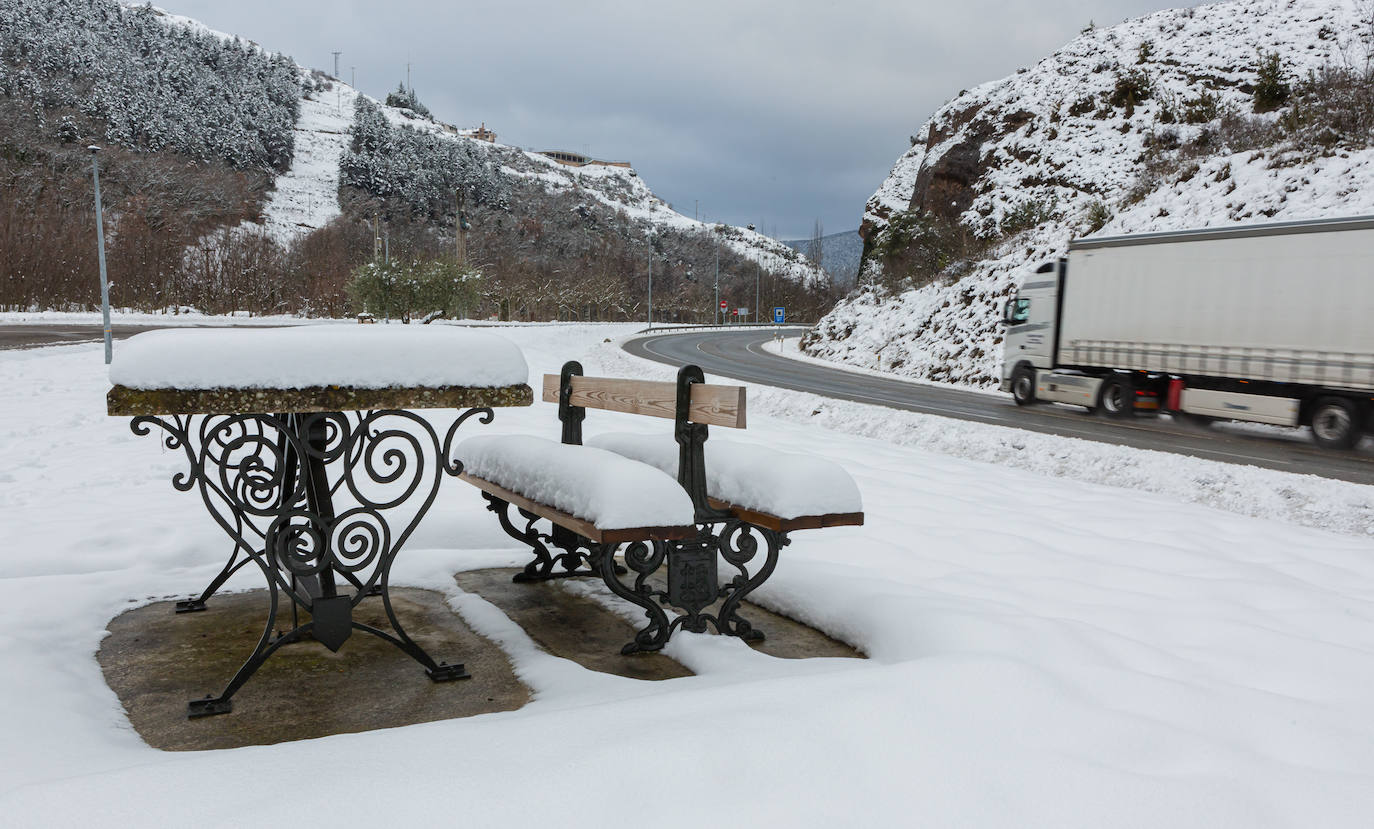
(1043, 651)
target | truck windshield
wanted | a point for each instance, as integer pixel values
(1020, 311)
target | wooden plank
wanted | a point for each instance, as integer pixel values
(711, 404)
(586, 529)
(123, 401)
(786, 525)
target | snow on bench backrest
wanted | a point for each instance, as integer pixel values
(711, 404)
(312, 356)
(607, 489)
(785, 484)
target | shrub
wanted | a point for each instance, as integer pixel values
(1205, 107)
(1097, 216)
(437, 288)
(1131, 88)
(1030, 213)
(1271, 90)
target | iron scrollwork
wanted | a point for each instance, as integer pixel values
(314, 499)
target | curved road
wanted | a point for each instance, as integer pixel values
(740, 354)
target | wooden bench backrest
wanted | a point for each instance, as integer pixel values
(711, 404)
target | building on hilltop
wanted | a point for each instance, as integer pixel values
(579, 160)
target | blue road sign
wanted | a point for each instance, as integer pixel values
(778, 315)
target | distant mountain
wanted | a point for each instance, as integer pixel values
(840, 254)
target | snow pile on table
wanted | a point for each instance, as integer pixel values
(1141, 126)
(785, 484)
(357, 356)
(604, 488)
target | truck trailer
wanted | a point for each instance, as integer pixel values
(1260, 323)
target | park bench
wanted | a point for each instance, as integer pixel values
(659, 501)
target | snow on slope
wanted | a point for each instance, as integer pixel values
(306, 196)
(1049, 137)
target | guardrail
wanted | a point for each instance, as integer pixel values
(737, 326)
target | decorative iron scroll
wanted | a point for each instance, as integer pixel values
(314, 499)
(692, 586)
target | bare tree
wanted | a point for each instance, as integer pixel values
(815, 249)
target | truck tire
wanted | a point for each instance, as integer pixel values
(1116, 398)
(1335, 423)
(1023, 385)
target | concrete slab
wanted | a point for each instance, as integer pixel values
(569, 626)
(583, 630)
(156, 661)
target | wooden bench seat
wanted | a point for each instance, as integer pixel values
(581, 526)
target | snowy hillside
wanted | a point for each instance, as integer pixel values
(237, 180)
(1157, 123)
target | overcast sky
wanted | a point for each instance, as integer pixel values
(772, 113)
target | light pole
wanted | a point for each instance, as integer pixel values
(758, 274)
(650, 259)
(717, 305)
(100, 251)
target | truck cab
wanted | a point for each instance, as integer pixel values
(1031, 317)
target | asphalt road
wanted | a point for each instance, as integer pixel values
(33, 335)
(740, 354)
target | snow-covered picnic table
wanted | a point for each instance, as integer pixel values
(307, 449)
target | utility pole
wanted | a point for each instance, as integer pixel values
(650, 257)
(408, 86)
(100, 250)
(758, 274)
(717, 305)
(353, 76)
(336, 64)
(461, 234)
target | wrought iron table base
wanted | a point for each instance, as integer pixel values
(265, 480)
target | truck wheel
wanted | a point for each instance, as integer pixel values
(1335, 423)
(1117, 398)
(1023, 386)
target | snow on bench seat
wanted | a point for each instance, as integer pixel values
(610, 491)
(314, 356)
(784, 484)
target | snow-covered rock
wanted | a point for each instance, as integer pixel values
(1142, 126)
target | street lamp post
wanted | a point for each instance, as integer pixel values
(100, 251)
(717, 305)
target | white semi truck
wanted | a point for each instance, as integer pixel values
(1262, 323)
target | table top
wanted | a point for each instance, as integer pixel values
(123, 401)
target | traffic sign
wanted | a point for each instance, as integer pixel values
(724, 305)
(779, 314)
